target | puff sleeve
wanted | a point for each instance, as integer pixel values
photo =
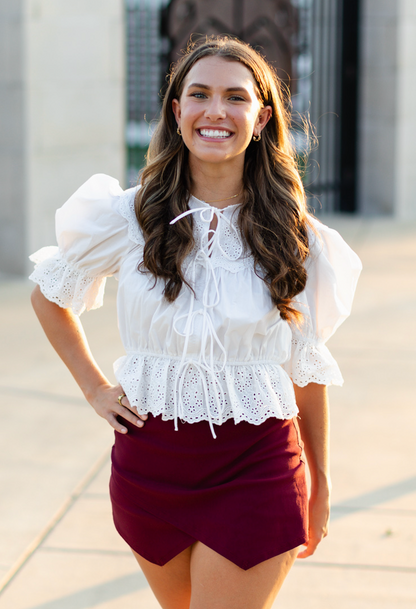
(92, 236)
(333, 270)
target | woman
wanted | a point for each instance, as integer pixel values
(228, 290)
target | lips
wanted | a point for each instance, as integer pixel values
(217, 134)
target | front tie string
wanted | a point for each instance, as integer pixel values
(205, 365)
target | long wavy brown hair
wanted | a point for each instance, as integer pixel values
(273, 217)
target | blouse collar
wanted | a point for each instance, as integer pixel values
(194, 203)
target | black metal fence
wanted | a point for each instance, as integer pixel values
(329, 41)
(321, 45)
(314, 42)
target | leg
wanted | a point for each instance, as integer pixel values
(171, 584)
(218, 583)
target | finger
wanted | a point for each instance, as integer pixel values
(125, 402)
(115, 424)
(310, 548)
(128, 415)
(305, 553)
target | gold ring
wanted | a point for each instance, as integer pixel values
(120, 397)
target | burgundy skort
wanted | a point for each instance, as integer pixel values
(242, 494)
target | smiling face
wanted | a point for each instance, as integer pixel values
(219, 111)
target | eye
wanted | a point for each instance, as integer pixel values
(198, 95)
(237, 98)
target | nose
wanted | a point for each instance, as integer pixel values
(215, 109)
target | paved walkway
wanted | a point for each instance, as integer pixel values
(58, 548)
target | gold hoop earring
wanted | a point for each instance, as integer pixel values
(257, 138)
(178, 131)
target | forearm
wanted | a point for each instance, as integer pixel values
(312, 402)
(66, 335)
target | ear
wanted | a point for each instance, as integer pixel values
(265, 115)
(176, 109)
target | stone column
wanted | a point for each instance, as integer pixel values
(405, 182)
(62, 102)
(387, 160)
(13, 221)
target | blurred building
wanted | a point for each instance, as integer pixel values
(80, 90)
(387, 117)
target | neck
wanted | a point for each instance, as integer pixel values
(217, 185)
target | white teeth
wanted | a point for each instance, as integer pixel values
(214, 133)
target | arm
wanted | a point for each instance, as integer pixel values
(66, 335)
(312, 402)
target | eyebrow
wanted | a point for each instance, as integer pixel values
(201, 86)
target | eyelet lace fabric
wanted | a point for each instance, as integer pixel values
(128, 212)
(65, 285)
(249, 392)
(312, 363)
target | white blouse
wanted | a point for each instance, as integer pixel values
(220, 351)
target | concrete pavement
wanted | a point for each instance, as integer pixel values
(58, 547)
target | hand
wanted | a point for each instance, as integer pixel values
(318, 522)
(105, 403)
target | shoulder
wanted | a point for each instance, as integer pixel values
(100, 206)
(326, 246)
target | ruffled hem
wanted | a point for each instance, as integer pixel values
(312, 363)
(65, 285)
(250, 392)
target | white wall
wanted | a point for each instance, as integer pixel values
(387, 157)
(12, 138)
(68, 114)
(405, 184)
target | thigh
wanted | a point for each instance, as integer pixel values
(171, 583)
(218, 583)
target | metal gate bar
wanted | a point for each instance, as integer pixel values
(349, 106)
(323, 179)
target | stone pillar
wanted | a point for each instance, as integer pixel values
(387, 182)
(62, 102)
(13, 225)
(405, 183)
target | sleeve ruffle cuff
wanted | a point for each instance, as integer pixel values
(312, 363)
(64, 284)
